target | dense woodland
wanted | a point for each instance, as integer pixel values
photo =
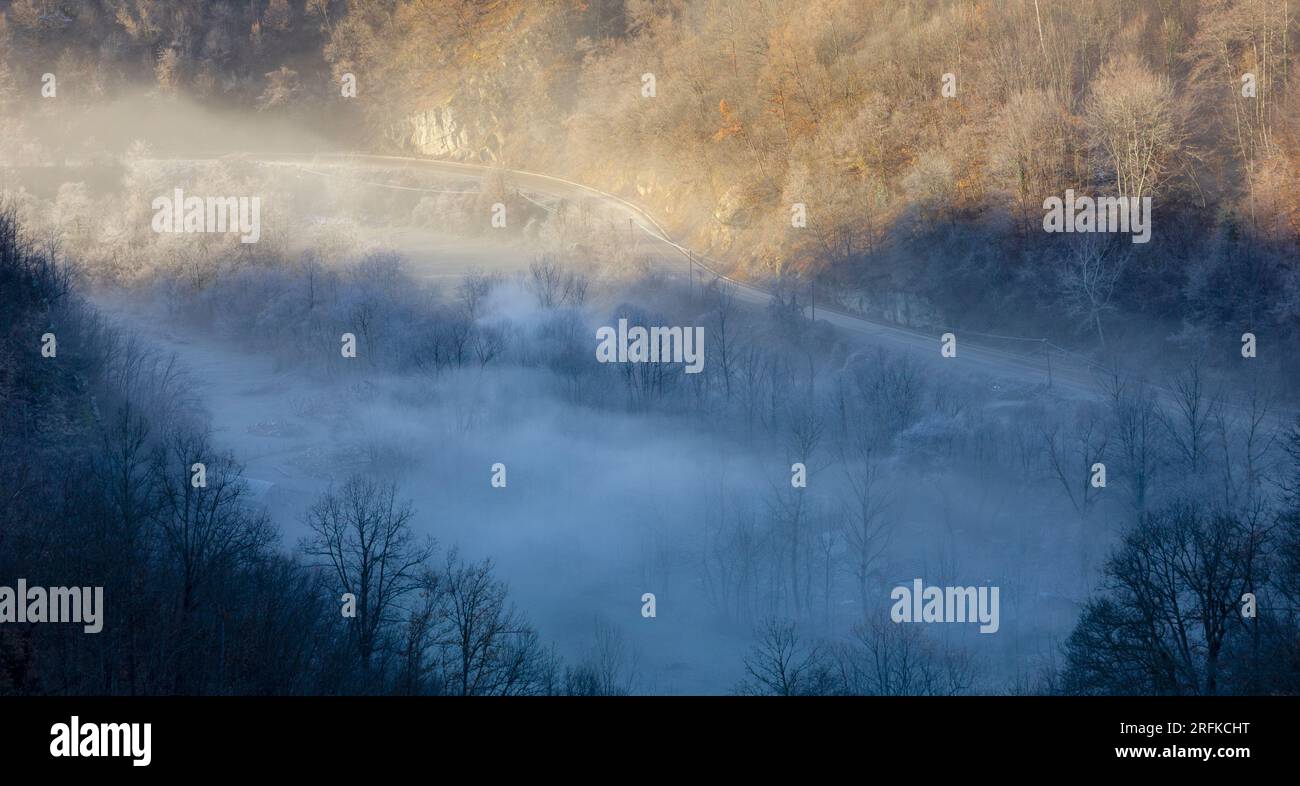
(834, 104)
(759, 104)
(203, 597)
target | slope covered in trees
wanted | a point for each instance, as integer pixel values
(99, 442)
(920, 208)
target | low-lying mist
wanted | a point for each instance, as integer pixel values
(475, 362)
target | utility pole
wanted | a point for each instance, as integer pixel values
(690, 273)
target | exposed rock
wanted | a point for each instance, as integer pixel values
(901, 308)
(733, 208)
(441, 132)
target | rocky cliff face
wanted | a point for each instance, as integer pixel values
(901, 308)
(443, 132)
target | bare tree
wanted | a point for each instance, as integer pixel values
(864, 522)
(487, 647)
(1087, 276)
(1252, 425)
(1071, 456)
(1174, 593)
(207, 529)
(489, 342)
(473, 290)
(607, 669)
(1190, 422)
(1135, 412)
(722, 335)
(363, 535)
(781, 664)
(1136, 126)
(884, 658)
(546, 281)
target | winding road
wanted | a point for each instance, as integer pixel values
(1069, 373)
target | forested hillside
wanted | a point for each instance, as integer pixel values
(921, 208)
(99, 434)
(348, 372)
